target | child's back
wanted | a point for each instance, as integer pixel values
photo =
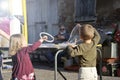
(86, 51)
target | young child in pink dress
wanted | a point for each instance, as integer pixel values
(19, 50)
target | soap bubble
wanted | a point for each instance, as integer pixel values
(75, 34)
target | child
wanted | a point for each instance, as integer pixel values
(86, 51)
(18, 49)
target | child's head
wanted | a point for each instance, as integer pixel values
(17, 41)
(87, 32)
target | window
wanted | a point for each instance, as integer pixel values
(85, 10)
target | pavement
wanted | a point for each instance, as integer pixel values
(45, 72)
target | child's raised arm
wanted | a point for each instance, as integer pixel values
(96, 36)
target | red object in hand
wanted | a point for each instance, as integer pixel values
(117, 36)
(104, 69)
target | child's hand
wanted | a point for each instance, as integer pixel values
(44, 38)
(72, 45)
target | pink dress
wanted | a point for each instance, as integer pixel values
(22, 66)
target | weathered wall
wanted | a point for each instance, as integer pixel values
(42, 17)
(105, 7)
(66, 13)
(66, 10)
(108, 13)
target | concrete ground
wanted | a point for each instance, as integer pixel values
(44, 72)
